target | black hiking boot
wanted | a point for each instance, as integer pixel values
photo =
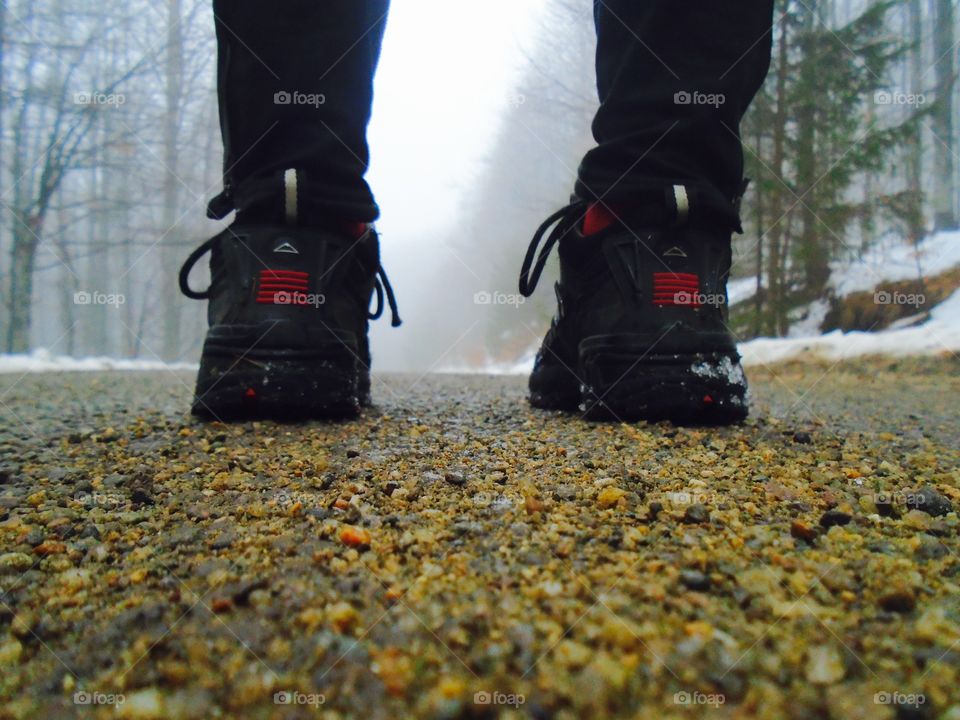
(640, 332)
(288, 319)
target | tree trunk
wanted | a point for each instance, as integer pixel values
(944, 216)
(170, 249)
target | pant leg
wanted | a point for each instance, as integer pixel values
(295, 83)
(675, 79)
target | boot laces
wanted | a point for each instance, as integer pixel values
(563, 221)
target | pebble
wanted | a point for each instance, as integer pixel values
(824, 665)
(144, 704)
(898, 601)
(696, 514)
(835, 518)
(930, 501)
(455, 478)
(803, 531)
(355, 537)
(695, 580)
(14, 562)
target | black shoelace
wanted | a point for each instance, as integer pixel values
(566, 220)
(381, 285)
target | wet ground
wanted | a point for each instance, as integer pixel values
(454, 553)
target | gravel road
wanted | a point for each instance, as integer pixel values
(455, 554)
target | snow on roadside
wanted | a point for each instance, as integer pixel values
(895, 261)
(890, 260)
(940, 334)
(43, 361)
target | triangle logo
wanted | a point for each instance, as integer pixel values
(675, 252)
(286, 247)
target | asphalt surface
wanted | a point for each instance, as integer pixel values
(454, 553)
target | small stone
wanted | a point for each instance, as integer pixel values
(142, 705)
(221, 605)
(355, 537)
(455, 478)
(930, 549)
(565, 492)
(14, 562)
(50, 548)
(824, 665)
(609, 496)
(695, 580)
(10, 652)
(928, 500)
(353, 453)
(803, 531)
(696, 514)
(343, 616)
(899, 601)
(572, 654)
(832, 518)
(802, 437)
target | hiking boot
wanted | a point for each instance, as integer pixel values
(288, 318)
(640, 331)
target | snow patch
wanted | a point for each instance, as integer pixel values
(940, 334)
(42, 360)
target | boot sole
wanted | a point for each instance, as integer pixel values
(688, 389)
(274, 384)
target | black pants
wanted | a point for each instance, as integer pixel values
(674, 77)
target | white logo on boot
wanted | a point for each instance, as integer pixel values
(286, 248)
